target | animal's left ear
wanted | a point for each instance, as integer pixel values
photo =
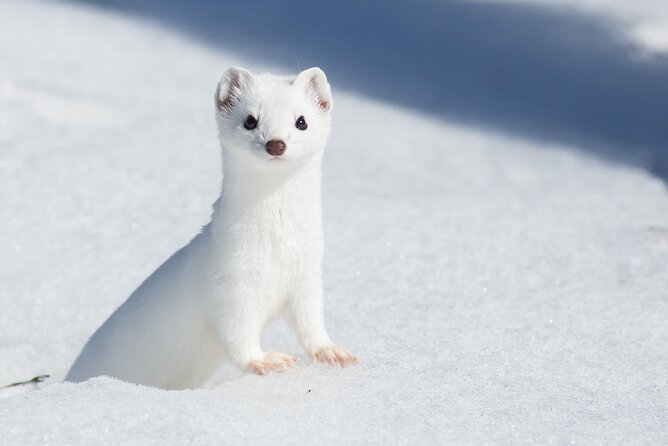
(314, 82)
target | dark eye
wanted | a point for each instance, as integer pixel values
(301, 123)
(250, 123)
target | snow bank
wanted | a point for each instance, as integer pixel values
(495, 290)
(644, 21)
(560, 70)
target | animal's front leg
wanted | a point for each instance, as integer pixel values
(238, 324)
(305, 314)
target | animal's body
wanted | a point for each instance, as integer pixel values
(259, 257)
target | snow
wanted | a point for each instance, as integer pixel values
(495, 288)
(645, 22)
(554, 70)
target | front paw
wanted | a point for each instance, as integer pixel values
(334, 355)
(271, 362)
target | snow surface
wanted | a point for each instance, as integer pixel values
(644, 21)
(495, 289)
(555, 70)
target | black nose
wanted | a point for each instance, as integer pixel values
(275, 147)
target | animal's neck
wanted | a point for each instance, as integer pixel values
(246, 189)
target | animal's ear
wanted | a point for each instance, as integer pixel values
(314, 82)
(234, 81)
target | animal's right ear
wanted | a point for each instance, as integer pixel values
(234, 81)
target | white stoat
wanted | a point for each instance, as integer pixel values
(259, 257)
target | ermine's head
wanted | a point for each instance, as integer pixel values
(271, 121)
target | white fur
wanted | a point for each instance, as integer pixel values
(259, 257)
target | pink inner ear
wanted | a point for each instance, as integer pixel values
(232, 85)
(316, 89)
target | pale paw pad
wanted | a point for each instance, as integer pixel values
(334, 355)
(271, 362)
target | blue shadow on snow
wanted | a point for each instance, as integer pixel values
(536, 72)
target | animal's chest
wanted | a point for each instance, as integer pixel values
(274, 235)
(272, 244)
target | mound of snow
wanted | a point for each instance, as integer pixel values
(494, 289)
(645, 21)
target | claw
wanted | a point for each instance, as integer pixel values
(272, 362)
(334, 355)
